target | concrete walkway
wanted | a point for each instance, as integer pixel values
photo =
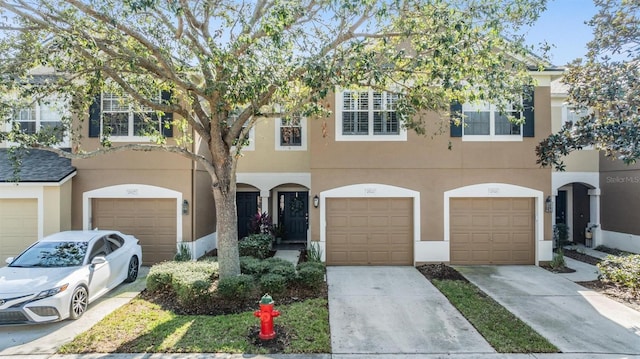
(394, 310)
(575, 319)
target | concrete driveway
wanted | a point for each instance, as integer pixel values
(394, 310)
(573, 318)
(45, 339)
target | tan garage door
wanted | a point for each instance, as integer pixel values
(152, 221)
(369, 231)
(18, 226)
(492, 231)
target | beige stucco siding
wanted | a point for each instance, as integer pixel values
(203, 206)
(265, 157)
(426, 165)
(158, 169)
(51, 210)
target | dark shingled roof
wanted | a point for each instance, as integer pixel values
(37, 166)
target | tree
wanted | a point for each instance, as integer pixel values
(606, 85)
(262, 58)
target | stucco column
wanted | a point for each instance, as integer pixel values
(264, 201)
(594, 204)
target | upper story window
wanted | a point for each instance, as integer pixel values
(484, 122)
(291, 133)
(43, 116)
(115, 116)
(368, 116)
(571, 114)
(250, 144)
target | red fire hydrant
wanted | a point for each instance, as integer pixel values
(266, 315)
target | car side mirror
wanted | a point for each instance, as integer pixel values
(98, 260)
(9, 260)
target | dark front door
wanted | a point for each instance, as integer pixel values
(561, 207)
(293, 213)
(581, 216)
(247, 203)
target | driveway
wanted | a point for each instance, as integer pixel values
(394, 310)
(575, 319)
(47, 338)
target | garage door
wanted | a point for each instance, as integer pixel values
(369, 231)
(18, 226)
(492, 231)
(152, 221)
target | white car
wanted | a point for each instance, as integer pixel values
(58, 276)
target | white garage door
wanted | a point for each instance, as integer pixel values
(18, 226)
(151, 220)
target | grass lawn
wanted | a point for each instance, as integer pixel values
(144, 327)
(504, 331)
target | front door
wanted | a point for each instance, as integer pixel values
(561, 207)
(247, 203)
(293, 213)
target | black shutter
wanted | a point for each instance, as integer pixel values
(528, 128)
(456, 114)
(165, 121)
(94, 117)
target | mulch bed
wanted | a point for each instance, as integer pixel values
(573, 254)
(441, 272)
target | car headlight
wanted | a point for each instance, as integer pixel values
(51, 292)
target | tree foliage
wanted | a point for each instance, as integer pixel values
(606, 85)
(229, 62)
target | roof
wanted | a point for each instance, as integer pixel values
(37, 166)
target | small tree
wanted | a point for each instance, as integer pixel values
(605, 85)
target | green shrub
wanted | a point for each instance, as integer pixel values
(273, 283)
(183, 254)
(189, 280)
(160, 276)
(622, 270)
(318, 265)
(255, 245)
(282, 267)
(310, 276)
(314, 253)
(241, 286)
(558, 259)
(253, 266)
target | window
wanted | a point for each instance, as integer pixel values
(368, 116)
(570, 114)
(483, 121)
(251, 140)
(46, 115)
(121, 119)
(291, 134)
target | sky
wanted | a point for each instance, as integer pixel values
(562, 25)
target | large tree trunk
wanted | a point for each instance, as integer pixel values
(227, 228)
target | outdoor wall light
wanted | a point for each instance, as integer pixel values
(316, 201)
(185, 207)
(548, 205)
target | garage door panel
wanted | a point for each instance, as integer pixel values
(18, 226)
(379, 231)
(359, 221)
(379, 221)
(337, 221)
(506, 237)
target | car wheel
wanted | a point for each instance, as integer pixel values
(132, 271)
(79, 302)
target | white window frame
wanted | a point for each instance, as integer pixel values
(492, 109)
(303, 136)
(37, 108)
(569, 114)
(252, 134)
(400, 136)
(127, 108)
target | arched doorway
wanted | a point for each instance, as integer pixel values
(575, 209)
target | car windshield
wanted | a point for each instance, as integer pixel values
(52, 254)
